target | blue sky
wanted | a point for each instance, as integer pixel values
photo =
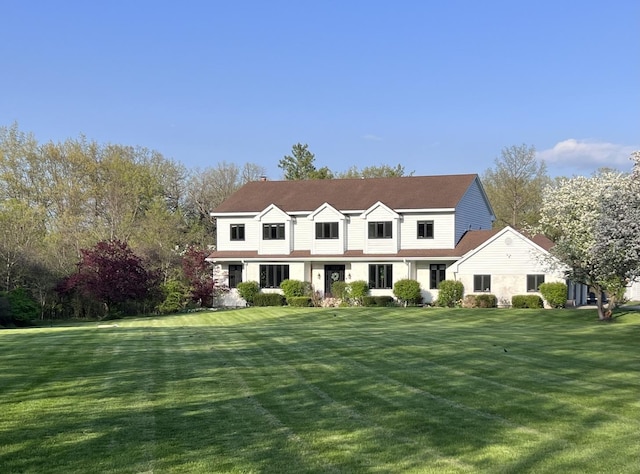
(437, 86)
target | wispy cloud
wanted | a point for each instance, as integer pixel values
(371, 137)
(584, 154)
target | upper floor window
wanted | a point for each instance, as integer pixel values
(326, 230)
(237, 231)
(438, 272)
(273, 231)
(380, 276)
(482, 283)
(380, 230)
(534, 282)
(425, 229)
(272, 275)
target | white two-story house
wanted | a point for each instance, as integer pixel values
(381, 230)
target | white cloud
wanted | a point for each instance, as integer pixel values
(585, 154)
(373, 138)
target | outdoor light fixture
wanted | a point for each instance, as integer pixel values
(318, 276)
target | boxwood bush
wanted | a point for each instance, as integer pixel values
(299, 301)
(555, 294)
(486, 300)
(377, 301)
(292, 288)
(358, 289)
(527, 301)
(248, 290)
(450, 293)
(483, 300)
(268, 299)
(407, 291)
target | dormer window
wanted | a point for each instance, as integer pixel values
(326, 230)
(273, 231)
(380, 230)
(425, 229)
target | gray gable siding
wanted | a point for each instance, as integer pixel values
(473, 212)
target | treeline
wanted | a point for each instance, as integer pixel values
(60, 201)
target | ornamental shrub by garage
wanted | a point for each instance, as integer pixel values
(555, 294)
(450, 293)
(407, 291)
(527, 301)
(486, 300)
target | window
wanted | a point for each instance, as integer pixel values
(326, 230)
(482, 283)
(272, 275)
(534, 282)
(425, 229)
(237, 231)
(437, 275)
(273, 231)
(380, 230)
(235, 275)
(380, 276)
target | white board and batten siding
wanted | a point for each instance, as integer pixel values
(473, 211)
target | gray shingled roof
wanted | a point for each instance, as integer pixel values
(412, 192)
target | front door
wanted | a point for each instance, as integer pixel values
(332, 273)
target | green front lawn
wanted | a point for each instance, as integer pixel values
(325, 390)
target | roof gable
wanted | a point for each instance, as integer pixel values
(411, 192)
(326, 209)
(475, 240)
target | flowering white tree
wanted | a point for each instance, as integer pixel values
(595, 224)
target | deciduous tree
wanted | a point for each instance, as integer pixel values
(514, 187)
(594, 224)
(110, 273)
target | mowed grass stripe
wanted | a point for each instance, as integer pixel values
(337, 415)
(324, 390)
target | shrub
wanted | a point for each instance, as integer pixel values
(486, 300)
(407, 291)
(22, 307)
(469, 301)
(450, 293)
(555, 294)
(248, 291)
(340, 290)
(377, 301)
(299, 301)
(358, 290)
(268, 299)
(176, 296)
(292, 288)
(526, 301)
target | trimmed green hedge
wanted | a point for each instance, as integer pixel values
(408, 291)
(554, 293)
(450, 293)
(378, 301)
(483, 300)
(527, 301)
(268, 299)
(299, 301)
(248, 290)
